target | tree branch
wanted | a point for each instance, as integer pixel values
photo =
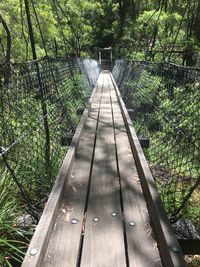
(184, 202)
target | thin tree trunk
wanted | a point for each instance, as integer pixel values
(30, 27)
(23, 32)
(196, 26)
(77, 46)
(3, 48)
(9, 40)
(121, 17)
(42, 93)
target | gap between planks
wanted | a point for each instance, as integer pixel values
(103, 243)
(66, 238)
(141, 244)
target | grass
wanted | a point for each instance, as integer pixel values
(13, 237)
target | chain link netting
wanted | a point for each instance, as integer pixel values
(163, 101)
(41, 104)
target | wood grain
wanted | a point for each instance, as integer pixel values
(164, 234)
(43, 232)
(104, 184)
(65, 242)
(141, 245)
(103, 240)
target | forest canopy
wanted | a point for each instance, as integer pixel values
(150, 30)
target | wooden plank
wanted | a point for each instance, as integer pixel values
(141, 245)
(66, 239)
(103, 240)
(168, 245)
(39, 242)
(64, 246)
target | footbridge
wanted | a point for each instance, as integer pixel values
(106, 206)
(104, 209)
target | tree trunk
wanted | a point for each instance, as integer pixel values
(121, 17)
(9, 40)
(196, 26)
(42, 90)
(30, 28)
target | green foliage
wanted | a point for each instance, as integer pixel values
(171, 121)
(136, 29)
(13, 238)
(67, 27)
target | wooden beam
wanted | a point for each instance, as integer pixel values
(65, 244)
(37, 248)
(141, 243)
(168, 245)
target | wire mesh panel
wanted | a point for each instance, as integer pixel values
(164, 103)
(91, 68)
(40, 106)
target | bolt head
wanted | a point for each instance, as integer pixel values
(95, 219)
(74, 221)
(132, 224)
(114, 214)
(33, 251)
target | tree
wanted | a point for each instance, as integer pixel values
(7, 51)
(131, 27)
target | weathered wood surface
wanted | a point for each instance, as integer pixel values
(103, 240)
(141, 245)
(64, 245)
(39, 243)
(103, 187)
(170, 251)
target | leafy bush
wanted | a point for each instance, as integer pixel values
(13, 237)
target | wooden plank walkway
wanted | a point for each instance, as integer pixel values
(97, 213)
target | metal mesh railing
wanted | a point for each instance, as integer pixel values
(40, 107)
(163, 100)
